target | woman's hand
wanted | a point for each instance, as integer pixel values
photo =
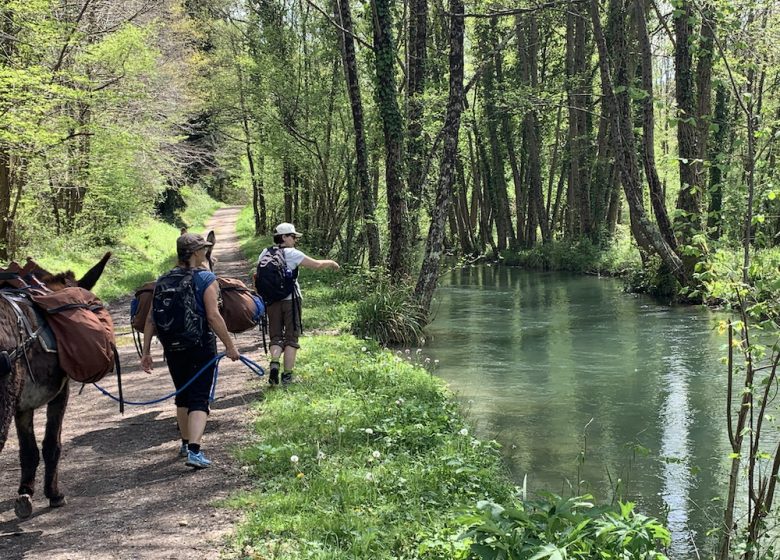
(147, 363)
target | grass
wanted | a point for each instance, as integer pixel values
(366, 457)
(146, 249)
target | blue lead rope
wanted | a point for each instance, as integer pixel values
(253, 366)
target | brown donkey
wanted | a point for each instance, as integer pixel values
(30, 377)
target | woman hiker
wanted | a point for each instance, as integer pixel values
(185, 316)
(284, 314)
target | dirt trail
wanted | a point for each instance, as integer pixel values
(129, 495)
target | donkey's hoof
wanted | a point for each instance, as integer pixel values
(23, 506)
(59, 501)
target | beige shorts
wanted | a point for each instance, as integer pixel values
(283, 325)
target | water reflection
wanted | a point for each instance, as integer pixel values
(543, 355)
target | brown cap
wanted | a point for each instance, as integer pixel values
(188, 243)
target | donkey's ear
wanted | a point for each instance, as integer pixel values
(211, 238)
(91, 277)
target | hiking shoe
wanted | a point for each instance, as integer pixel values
(183, 451)
(197, 460)
(273, 377)
(287, 378)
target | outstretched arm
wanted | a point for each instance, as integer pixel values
(309, 262)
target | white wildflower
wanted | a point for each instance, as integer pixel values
(320, 455)
(341, 429)
(369, 476)
(464, 432)
(369, 431)
(364, 349)
(294, 459)
(376, 454)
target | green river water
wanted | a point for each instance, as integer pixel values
(551, 365)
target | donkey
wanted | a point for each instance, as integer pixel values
(30, 378)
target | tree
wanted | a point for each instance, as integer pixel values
(344, 17)
(399, 262)
(429, 272)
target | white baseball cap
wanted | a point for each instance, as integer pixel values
(286, 229)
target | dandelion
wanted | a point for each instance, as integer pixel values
(419, 350)
(464, 432)
(369, 431)
(435, 361)
(294, 459)
(341, 429)
(299, 475)
(376, 454)
(369, 477)
(320, 455)
(427, 360)
(399, 402)
(408, 351)
(364, 349)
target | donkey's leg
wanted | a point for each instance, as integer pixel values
(29, 457)
(52, 447)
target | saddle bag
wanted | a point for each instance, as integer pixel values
(241, 308)
(140, 306)
(84, 332)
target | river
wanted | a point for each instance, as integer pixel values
(590, 389)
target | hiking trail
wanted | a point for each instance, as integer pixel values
(128, 494)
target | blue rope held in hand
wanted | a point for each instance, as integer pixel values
(253, 366)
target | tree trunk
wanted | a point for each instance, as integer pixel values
(657, 197)
(415, 87)
(528, 41)
(617, 107)
(367, 202)
(429, 272)
(287, 189)
(578, 94)
(6, 220)
(688, 222)
(399, 262)
(718, 157)
(498, 191)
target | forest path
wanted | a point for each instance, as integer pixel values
(129, 495)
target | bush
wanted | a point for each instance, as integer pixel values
(553, 527)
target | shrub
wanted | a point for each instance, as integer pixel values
(554, 527)
(389, 315)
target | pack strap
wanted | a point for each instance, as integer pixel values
(69, 306)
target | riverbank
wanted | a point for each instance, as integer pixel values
(368, 455)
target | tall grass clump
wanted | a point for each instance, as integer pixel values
(390, 315)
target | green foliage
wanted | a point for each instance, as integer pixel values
(557, 528)
(580, 255)
(653, 278)
(389, 314)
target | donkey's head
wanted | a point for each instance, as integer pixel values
(211, 238)
(67, 279)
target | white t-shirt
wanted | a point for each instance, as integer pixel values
(294, 258)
